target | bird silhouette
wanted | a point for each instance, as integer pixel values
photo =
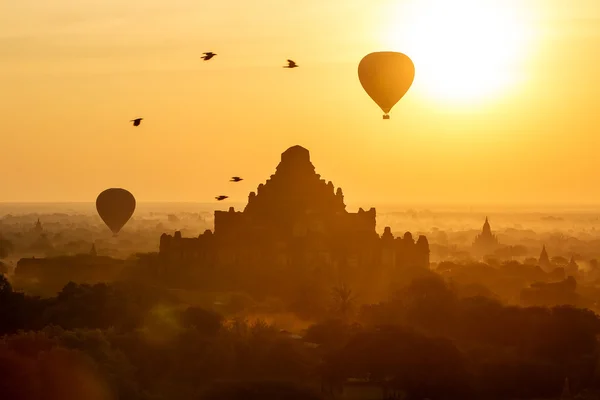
(208, 56)
(236, 179)
(291, 64)
(137, 121)
(221, 198)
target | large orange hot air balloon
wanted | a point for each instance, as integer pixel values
(386, 76)
(115, 206)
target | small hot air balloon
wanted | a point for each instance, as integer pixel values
(115, 206)
(386, 76)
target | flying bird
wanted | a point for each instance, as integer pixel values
(208, 56)
(236, 179)
(291, 64)
(137, 121)
(221, 198)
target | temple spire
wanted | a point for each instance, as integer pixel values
(487, 230)
(544, 259)
(38, 227)
(486, 242)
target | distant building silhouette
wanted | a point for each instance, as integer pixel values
(296, 220)
(93, 252)
(486, 242)
(38, 228)
(544, 260)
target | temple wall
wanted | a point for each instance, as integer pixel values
(229, 222)
(362, 221)
(356, 251)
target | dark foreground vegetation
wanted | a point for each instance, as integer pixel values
(125, 341)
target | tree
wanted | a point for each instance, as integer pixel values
(408, 361)
(343, 301)
(5, 286)
(428, 303)
(206, 322)
(6, 248)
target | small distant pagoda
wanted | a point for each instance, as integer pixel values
(486, 242)
(544, 260)
(38, 228)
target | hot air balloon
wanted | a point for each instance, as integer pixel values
(115, 206)
(386, 76)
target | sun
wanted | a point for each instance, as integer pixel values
(464, 51)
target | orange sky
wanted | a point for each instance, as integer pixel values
(74, 72)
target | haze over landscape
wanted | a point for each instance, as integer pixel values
(203, 200)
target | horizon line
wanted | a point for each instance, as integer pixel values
(357, 204)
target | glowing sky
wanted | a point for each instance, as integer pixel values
(74, 72)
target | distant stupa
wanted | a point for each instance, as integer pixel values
(486, 242)
(93, 252)
(38, 228)
(544, 260)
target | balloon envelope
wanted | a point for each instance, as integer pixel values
(115, 206)
(386, 76)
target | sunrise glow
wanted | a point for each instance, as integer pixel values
(465, 51)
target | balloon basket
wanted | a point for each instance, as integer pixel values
(386, 116)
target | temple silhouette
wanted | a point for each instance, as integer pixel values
(486, 242)
(544, 260)
(296, 220)
(38, 228)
